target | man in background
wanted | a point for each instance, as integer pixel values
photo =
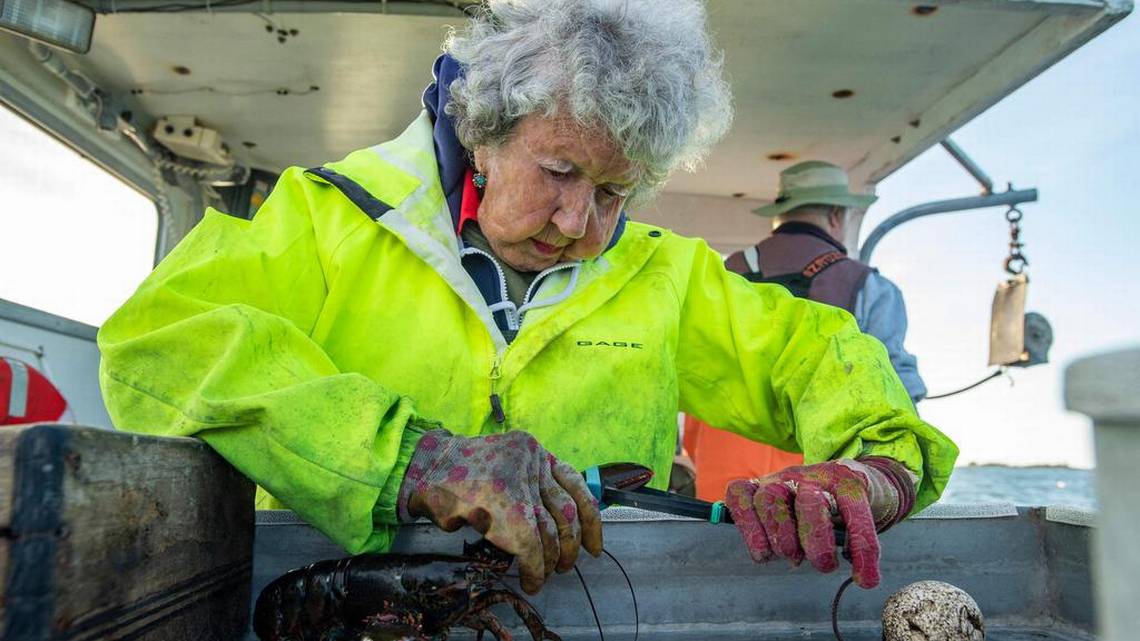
(804, 254)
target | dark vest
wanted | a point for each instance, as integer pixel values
(808, 262)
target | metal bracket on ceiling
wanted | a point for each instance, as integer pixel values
(101, 106)
(1011, 197)
(969, 165)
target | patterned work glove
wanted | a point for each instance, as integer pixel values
(791, 513)
(509, 488)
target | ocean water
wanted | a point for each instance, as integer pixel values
(1034, 486)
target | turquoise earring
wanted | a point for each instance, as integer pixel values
(479, 179)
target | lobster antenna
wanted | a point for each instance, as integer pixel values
(636, 617)
(591, 600)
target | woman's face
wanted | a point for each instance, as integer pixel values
(554, 191)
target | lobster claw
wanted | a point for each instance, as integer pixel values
(621, 476)
(486, 552)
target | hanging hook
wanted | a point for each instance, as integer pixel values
(1016, 262)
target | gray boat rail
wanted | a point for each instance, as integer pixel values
(1028, 569)
(1104, 388)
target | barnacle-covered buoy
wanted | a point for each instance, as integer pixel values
(932, 611)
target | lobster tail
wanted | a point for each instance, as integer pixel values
(302, 604)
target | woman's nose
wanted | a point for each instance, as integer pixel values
(573, 215)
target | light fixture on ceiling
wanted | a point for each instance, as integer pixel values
(53, 22)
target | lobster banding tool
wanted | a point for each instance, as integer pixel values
(625, 484)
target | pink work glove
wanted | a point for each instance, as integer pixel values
(509, 488)
(791, 513)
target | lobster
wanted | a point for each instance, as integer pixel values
(392, 597)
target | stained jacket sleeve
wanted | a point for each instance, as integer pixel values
(881, 312)
(797, 374)
(216, 344)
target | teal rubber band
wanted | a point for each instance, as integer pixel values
(716, 512)
(594, 484)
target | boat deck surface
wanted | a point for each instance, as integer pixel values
(1028, 569)
(798, 634)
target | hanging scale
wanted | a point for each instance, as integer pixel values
(1017, 338)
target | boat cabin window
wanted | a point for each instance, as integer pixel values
(75, 240)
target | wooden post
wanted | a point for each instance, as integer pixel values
(107, 535)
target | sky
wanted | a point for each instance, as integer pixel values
(74, 240)
(1073, 133)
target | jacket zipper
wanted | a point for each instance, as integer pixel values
(504, 305)
(528, 304)
(497, 412)
(514, 319)
(496, 402)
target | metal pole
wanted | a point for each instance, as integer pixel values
(1104, 388)
(969, 165)
(1012, 197)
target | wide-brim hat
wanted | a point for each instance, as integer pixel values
(814, 182)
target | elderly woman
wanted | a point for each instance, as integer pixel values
(451, 324)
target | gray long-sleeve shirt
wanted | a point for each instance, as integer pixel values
(881, 312)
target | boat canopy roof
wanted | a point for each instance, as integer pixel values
(866, 84)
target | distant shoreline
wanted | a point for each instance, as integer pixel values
(1024, 467)
(1021, 485)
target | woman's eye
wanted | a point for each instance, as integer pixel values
(611, 194)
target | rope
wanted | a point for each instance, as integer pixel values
(38, 352)
(198, 173)
(998, 372)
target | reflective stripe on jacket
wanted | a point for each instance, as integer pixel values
(311, 346)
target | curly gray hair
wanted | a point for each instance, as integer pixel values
(643, 70)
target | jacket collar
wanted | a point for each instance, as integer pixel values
(403, 174)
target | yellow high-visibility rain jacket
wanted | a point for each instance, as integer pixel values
(312, 346)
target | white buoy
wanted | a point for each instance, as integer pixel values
(932, 611)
